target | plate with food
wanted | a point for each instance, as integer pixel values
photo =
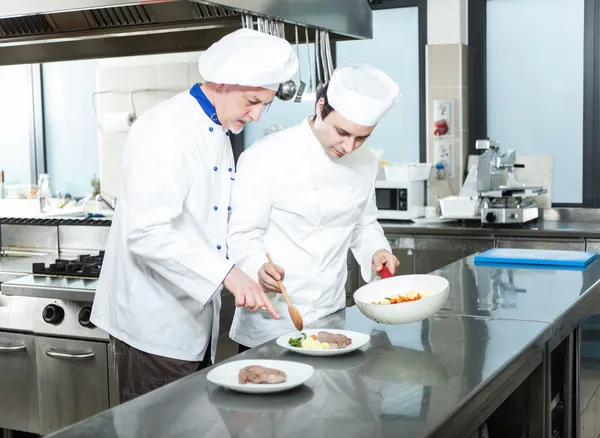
(402, 299)
(260, 376)
(318, 342)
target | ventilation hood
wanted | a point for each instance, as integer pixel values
(36, 31)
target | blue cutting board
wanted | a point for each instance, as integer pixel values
(545, 257)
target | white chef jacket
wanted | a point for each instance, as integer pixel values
(306, 210)
(160, 284)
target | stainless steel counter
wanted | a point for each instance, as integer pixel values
(423, 379)
(439, 377)
(14, 266)
(562, 297)
(58, 288)
(540, 228)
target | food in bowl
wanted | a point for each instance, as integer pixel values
(395, 299)
(260, 374)
(321, 341)
(433, 289)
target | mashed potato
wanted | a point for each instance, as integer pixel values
(313, 344)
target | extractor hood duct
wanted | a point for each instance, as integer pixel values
(36, 31)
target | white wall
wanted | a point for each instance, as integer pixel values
(165, 74)
(447, 21)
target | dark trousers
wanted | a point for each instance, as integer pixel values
(242, 348)
(140, 372)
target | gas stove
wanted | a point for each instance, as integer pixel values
(56, 298)
(84, 266)
(63, 359)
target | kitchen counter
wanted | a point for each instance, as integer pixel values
(560, 296)
(439, 377)
(438, 388)
(57, 288)
(539, 228)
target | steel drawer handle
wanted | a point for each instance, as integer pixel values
(12, 348)
(61, 355)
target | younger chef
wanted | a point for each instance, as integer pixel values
(159, 293)
(306, 196)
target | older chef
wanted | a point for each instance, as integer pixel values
(159, 294)
(306, 195)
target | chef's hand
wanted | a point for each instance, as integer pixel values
(268, 275)
(248, 293)
(384, 257)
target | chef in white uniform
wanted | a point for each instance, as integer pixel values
(306, 196)
(159, 293)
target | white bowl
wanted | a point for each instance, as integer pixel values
(433, 289)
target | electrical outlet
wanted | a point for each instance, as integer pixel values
(443, 110)
(443, 153)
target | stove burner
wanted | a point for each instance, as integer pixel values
(85, 266)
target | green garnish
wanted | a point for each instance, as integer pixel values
(297, 342)
(389, 299)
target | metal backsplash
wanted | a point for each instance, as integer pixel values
(52, 239)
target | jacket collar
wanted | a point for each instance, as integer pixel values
(207, 107)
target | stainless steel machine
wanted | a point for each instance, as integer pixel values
(56, 367)
(503, 199)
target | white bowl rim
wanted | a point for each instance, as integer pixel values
(428, 297)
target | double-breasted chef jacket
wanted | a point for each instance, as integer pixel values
(159, 290)
(291, 200)
(161, 281)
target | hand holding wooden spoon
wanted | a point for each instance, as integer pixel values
(293, 311)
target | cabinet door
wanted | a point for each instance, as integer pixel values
(18, 391)
(72, 381)
(559, 244)
(435, 252)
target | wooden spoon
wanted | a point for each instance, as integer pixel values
(294, 313)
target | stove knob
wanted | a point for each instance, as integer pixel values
(490, 217)
(84, 317)
(53, 314)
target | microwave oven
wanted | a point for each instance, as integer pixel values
(400, 200)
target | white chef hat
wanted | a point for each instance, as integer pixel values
(362, 93)
(250, 58)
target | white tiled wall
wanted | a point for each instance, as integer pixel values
(172, 72)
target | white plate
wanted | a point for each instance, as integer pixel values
(358, 340)
(227, 376)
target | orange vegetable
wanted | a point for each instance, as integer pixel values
(395, 299)
(314, 337)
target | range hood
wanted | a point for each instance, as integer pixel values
(36, 31)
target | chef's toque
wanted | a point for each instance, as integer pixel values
(249, 58)
(362, 93)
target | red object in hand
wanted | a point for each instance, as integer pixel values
(385, 272)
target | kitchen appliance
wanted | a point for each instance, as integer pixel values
(400, 191)
(503, 199)
(56, 367)
(37, 31)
